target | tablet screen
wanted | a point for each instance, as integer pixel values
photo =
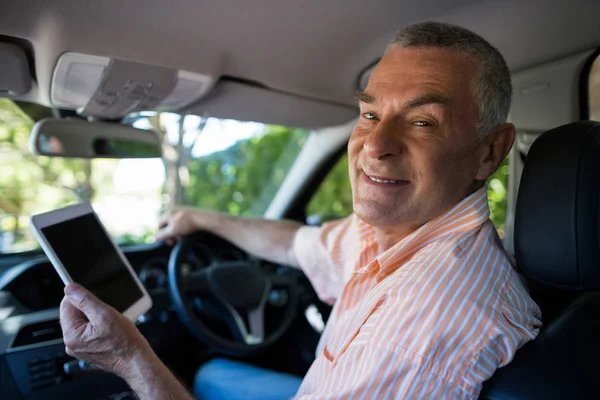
(90, 258)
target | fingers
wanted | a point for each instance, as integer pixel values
(164, 220)
(166, 227)
(173, 225)
(70, 317)
(165, 235)
(84, 301)
(73, 324)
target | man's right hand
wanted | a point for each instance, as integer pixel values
(266, 239)
(182, 221)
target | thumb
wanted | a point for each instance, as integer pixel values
(84, 300)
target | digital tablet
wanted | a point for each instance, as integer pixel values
(81, 251)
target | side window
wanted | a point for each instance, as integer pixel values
(594, 91)
(333, 199)
(497, 188)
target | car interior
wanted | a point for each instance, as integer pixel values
(292, 68)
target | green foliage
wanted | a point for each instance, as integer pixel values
(333, 200)
(29, 183)
(497, 196)
(131, 239)
(243, 179)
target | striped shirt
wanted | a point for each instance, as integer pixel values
(431, 318)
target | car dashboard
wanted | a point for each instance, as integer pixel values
(33, 363)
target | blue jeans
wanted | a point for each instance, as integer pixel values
(222, 379)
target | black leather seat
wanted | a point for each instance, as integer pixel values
(557, 245)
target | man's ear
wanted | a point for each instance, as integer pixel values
(495, 148)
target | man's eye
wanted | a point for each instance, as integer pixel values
(422, 123)
(369, 115)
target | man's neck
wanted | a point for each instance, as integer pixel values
(387, 238)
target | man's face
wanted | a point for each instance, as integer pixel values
(414, 152)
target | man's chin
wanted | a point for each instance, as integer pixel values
(382, 217)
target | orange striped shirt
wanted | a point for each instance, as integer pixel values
(431, 318)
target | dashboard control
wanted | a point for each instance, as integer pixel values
(76, 366)
(44, 371)
(278, 298)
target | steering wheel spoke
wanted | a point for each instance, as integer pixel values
(252, 333)
(256, 319)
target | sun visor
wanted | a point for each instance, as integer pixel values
(244, 102)
(14, 70)
(110, 88)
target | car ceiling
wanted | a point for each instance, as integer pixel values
(311, 52)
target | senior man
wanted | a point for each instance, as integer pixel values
(427, 304)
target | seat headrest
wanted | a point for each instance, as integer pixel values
(557, 216)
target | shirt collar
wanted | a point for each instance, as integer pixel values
(470, 214)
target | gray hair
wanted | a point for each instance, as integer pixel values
(491, 85)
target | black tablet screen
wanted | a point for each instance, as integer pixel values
(86, 252)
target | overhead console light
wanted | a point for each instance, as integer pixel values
(109, 88)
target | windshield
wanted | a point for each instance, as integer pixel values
(218, 164)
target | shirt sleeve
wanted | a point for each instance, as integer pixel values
(370, 372)
(322, 253)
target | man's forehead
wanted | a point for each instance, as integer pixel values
(419, 75)
(414, 66)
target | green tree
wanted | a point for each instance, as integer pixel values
(177, 153)
(243, 179)
(333, 200)
(26, 179)
(497, 197)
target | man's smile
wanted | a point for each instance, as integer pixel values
(384, 180)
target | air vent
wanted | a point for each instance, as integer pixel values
(37, 333)
(43, 372)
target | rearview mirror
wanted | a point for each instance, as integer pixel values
(73, 138)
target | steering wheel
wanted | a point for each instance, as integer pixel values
(240, 290)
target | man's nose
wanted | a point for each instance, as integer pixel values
(383, 141)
